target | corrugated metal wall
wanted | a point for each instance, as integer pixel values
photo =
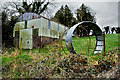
(18, 26)
(26, 35)
(46, 28)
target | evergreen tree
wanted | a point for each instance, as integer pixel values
(84, 13)
(65, 16)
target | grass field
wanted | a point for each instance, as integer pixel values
(80, 45)
(50, 56)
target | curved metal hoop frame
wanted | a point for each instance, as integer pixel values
(98, 33)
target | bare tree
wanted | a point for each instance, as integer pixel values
(36, 6)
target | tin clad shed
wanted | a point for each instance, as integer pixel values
(36, 31)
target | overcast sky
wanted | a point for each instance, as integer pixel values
(106, 10)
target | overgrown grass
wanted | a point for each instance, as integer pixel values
(80, 45)
(29, 61)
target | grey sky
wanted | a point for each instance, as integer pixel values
(119, 14)
(106, 12)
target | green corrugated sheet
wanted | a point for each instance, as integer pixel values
(18, 26)
(43, 30)
(26, 35)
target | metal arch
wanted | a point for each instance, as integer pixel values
(98, 33)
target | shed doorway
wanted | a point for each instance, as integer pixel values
(36, 39)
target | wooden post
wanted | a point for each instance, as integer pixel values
(104, 44)
(60, 44)
(41, 42)
(20, 46)
(45, 40)
(89, 43)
